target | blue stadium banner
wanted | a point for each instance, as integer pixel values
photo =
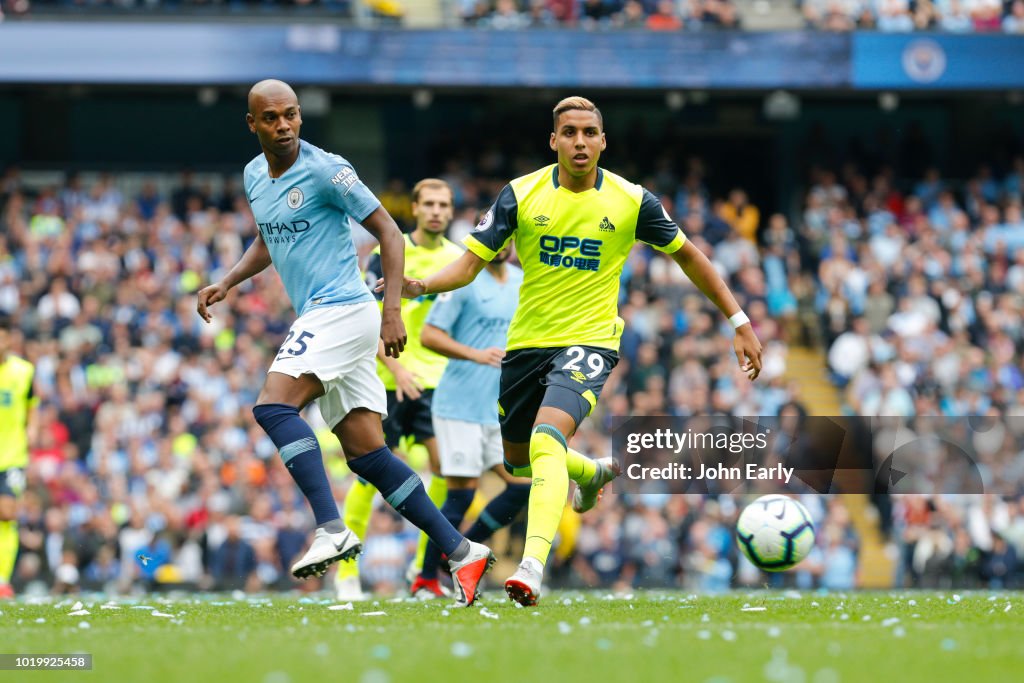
(220, 53)
(937, 61)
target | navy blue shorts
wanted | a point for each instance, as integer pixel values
(410, 417)
(569, 378)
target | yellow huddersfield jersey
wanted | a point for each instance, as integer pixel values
(419, 262)
(15, 400)
(573, 246)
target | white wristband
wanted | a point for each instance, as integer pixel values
(739, 319)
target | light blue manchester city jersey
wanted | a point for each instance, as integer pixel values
(303, 218)
(477, 315)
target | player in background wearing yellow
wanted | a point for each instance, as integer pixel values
(470, 326)
(410, 380)
(17, 422)
(574, 225)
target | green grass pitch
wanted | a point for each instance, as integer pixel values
(572, 636)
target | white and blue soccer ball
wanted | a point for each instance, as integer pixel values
(775, 532)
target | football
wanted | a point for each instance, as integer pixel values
(775, 532)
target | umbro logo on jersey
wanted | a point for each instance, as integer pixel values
(541, 221)
(606, 225)
(579, 376)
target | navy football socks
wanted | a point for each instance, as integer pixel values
(403, 490)
(301, 455)
(499, 512)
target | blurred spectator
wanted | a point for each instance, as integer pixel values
(234, 560)
(664, 17)
(741, 215)
(506, 16)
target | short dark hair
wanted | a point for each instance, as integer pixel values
(576, 103)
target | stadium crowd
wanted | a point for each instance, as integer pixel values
(953, 16)
(653, 15)
(900, 16)
(148, 470)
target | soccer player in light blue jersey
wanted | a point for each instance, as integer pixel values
(470, 326)
(302, 198)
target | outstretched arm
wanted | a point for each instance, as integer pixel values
(703, 274)
(392, 257)
(255, 260)
(456, 274)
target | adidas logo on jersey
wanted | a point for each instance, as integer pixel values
(541, 221)
(606, 225)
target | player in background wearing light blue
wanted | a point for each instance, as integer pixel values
(302, 198)
(470, 326)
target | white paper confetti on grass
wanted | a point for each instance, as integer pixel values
(892, 621)
(704, 635)
(584, 621)
(79, 612)
(774, 632)
(83, 624)
(754, 609)
(346, 606)
(461, 650)
(151, 606)
(374, 614)
(729, 635)
(564, 628)
(40, 620)
(899, 632)
(1008, 607)
(484, 612)
(108, 606)
(77, 606)
(157, 613)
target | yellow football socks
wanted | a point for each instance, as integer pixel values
(437, 491)
(518, 470)
(356, 516)
(581, 468)
(8, 549)
(547, 493)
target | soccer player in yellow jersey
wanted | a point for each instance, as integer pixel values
(17, 404)
(410, 380)
(574, 225)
